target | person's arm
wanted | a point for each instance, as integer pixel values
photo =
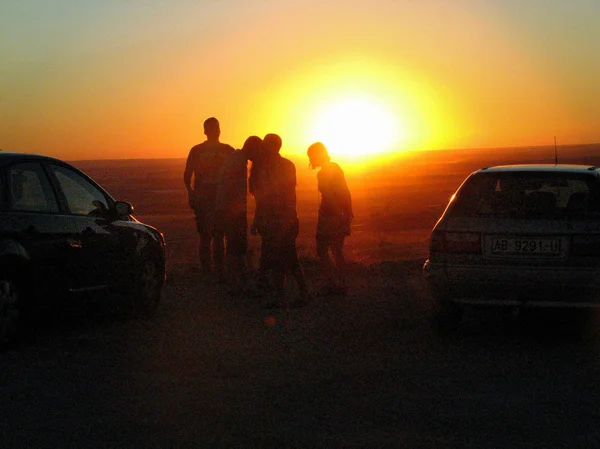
(254, 226)
(289, 176)
(187, 178)
(293, 180)
(258, 212)
(290, 185)
(335, 187)
(345, 197)
(189, 170)
(252, 184)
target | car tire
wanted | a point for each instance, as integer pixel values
(11, 316)
(146, 289)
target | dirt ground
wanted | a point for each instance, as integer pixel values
(366, 370)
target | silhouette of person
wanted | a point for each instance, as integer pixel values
(204, 163)
(262, 282)
(273, 183)
(335, 217)
(232, 207)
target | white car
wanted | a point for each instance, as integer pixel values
(518, 236)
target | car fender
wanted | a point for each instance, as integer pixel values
(142, 245)
(10, 249)
(15, 259)
(150, 243)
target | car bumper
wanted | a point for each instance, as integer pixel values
(514, 286)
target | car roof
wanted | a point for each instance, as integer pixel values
(543, 168)
(6, 157)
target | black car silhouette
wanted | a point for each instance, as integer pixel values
(64, 238)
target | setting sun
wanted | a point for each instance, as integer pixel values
(356, 126)
(363, 109)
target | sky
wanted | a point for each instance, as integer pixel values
(122, 79)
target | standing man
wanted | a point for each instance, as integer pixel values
(204, 163)
(273, 183)
(232, 208)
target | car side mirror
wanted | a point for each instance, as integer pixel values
(123, 208)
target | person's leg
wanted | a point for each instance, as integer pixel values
(237, 247)
(271, 275)
(204, 240)
(278, 290)
(298, 275)
(218, 253)
(236, 275)
(204, 252)
(292, 263)
(337, 245)
(325, 263)
(263, 278)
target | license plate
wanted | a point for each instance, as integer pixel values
(525, 246)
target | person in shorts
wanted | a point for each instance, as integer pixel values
(232, 209)
(273, 183)
(203, 165)
(335, 218)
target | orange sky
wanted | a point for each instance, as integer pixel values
(137, 79)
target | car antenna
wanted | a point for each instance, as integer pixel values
(555, 153)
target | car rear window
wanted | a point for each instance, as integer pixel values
(528, 195)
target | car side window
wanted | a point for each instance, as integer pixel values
(29, 189)
(83, 197)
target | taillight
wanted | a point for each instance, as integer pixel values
(585, 245)
(455, 242)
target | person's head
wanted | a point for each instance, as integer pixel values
(271, 145)
(252, 147)
(317, 155)
(212, 128)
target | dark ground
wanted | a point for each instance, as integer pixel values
(362, 371)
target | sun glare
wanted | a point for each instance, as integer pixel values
(357, 127)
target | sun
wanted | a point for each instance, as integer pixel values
(356, 126)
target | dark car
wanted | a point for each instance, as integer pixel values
(64, 239)
(518, 236)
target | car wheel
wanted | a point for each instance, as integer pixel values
(10, 316)
(147, 288)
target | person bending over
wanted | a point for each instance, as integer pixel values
(335, 218)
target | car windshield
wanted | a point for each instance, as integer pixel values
(528, 195)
